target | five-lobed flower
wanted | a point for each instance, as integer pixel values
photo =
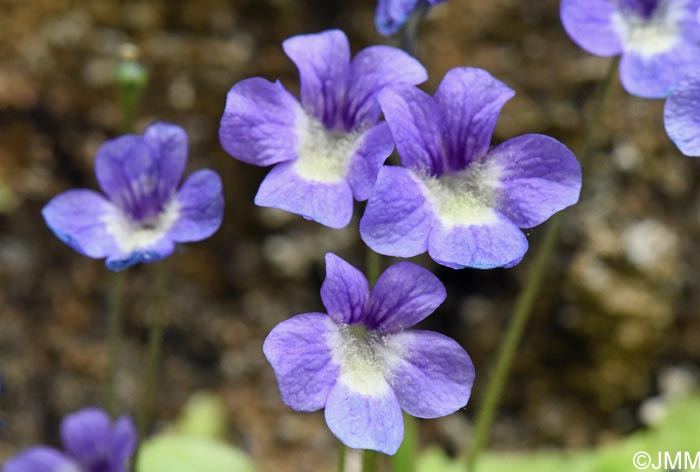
(362, 364)
(327, 150)
(455, 198)
(659, 39)
(144, 214)
(92, 442)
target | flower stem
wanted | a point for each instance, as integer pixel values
(114, 338)
(369, 461)
(342, 456)
(408, 37)
(526, 298)
(372, 266)
(158, 321)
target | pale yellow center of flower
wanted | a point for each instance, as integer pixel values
(130, 235)
(651, 36)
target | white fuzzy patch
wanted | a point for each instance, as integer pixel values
(130, 235)
(467, 197)
(649, 37)
(365, 360)
(324, 156)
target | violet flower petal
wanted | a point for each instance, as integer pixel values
(124, 439)
(365, 421)
(299, 351)
(590, 24)
(496, 242)
(153, 251)
(432, 375)
(372, 150)
(330, 204)
(655, 77)
(398, 218)
(78, 218)
(682, 117)
(345, 291)
(471, 100)
(392, 14)
(373, 69)
(168, 144)
(323, 60)
(87, 436)
(539, 177)
(404, 295)
(41, 459)
(259, 123)
(417, 124)
(200, 207)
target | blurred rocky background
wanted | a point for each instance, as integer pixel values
(616, 325)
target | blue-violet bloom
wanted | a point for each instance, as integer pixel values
(144, 214)
(92, 444)
(360, 362)
(455, 198)
(392, 14)
(659, 39)
(329, 148)
(682, 116)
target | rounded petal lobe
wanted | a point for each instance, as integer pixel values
(590, 24)
(373, 69)
(656, 76)
(259, 123)
(200, 204)
(87, 436)
(373, 149)
(330, 204)
(344, 291)
(365, 422)
(168, 144)
(431, 374)
(539, 177)
(471, 100)
(299, 350)
(495, 243)
(41, 459)
(392, 14)
(404, 294)
(323, 60)
(398, 218)
(124, 440)
(682, 117)
(78, 218)
(417, 125)
(145, 254)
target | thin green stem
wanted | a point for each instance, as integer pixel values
(408, 36)
(372, 266)
(369, 461)
(525, 301)
(405, 458)
(342, 456)
(114, 338)
(158, 321)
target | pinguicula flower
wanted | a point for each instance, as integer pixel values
(392, 14)
(659, 39)
(362, 364)
(682, 116)
(142, 214)
(329, 148)
(455, 198)
(91, 441)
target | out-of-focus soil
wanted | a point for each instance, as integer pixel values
(620, 302)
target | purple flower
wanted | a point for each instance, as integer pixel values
(392, 14)
(144, 214)
(329, 148)
(659, 39)
(682, 116)
(359, 362)
(92, 444)
(455, 198)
